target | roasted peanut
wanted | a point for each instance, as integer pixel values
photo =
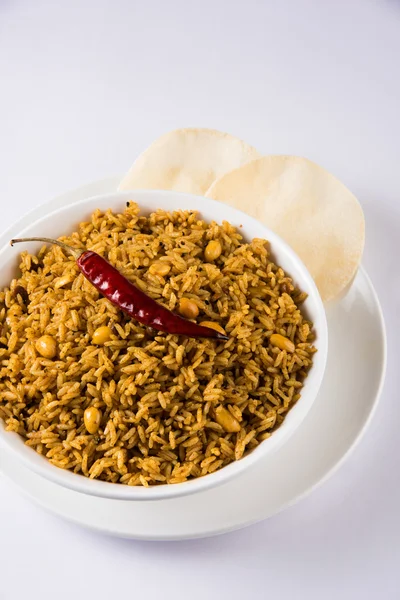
(213, 250)
(46, 346)
(212, 325)
(92, 418)
(282, 342)
(188, 308)
(160, 268)
(101, 335)
(227, 421)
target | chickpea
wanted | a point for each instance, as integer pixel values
(160, 268)
(92, 418)
(46, 346)
(214, 326)
(213, 250)
(282, 342)
(101, 335)
(227, 421)
(188, 308)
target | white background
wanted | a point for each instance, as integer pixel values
(85, 85)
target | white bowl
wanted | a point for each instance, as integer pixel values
(64, 220)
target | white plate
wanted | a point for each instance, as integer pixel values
(343, 409)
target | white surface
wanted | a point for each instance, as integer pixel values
(86, 85)
(53, 221)
(276, 480)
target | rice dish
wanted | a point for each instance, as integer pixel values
(169, 408)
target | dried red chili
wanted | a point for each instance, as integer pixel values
(130, 299)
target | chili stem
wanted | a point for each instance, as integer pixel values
(76, 253)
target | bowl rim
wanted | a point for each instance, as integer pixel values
(77, 482)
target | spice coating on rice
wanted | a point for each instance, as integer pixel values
(164, 408)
